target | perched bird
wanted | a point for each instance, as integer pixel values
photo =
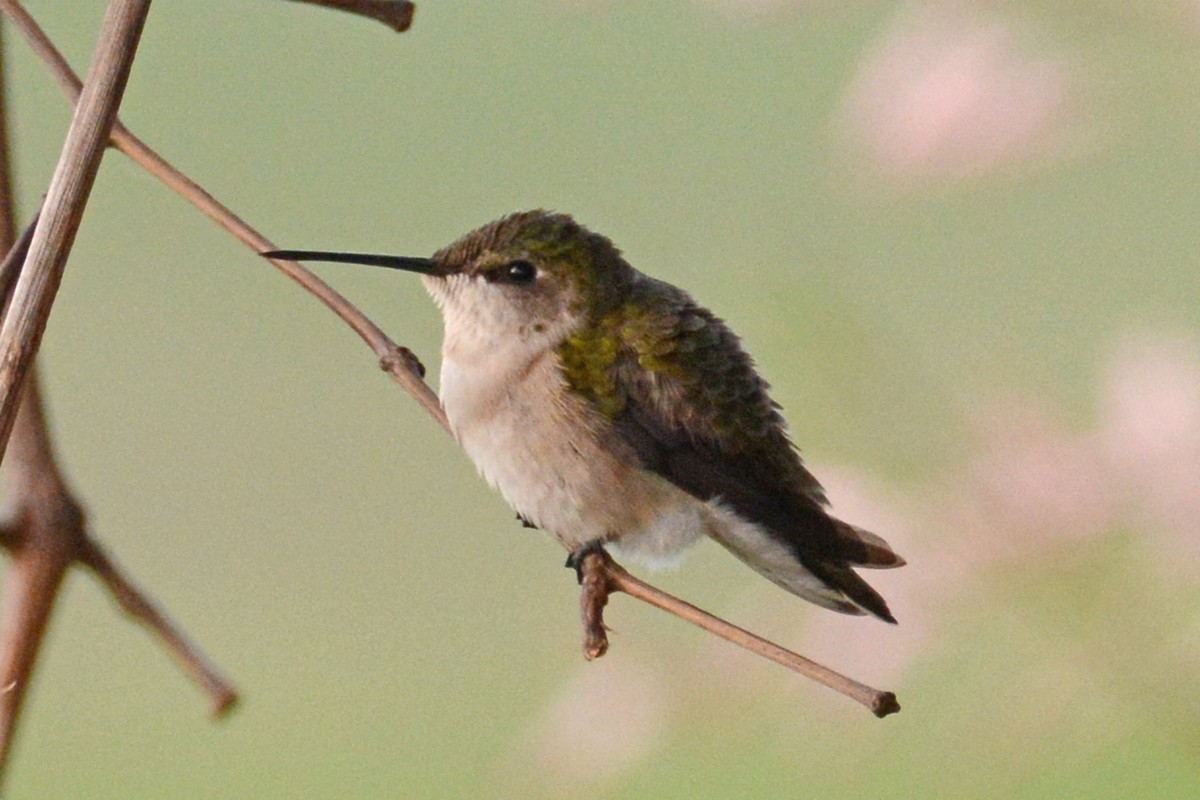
(610, 409)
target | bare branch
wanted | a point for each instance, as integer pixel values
(879, 703)
(391, 356)
(17, 248)
(396, 14)
(399, 363)
(87, 137)
(29, 594)
(37, 572)
(140, 608)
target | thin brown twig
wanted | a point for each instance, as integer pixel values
(879, 703)
(399, 362)
(396, 14)
(137, 604)
(66, 198)
(30, 591)
(15, 247)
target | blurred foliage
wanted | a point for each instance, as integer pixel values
(938, 226)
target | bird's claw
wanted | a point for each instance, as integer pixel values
(578, 555)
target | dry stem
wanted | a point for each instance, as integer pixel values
(392, 357)
(138, 605)
(879, 703)
(62, 211)
(397, 362)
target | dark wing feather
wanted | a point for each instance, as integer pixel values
(696, 412)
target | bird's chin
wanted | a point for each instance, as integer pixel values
(438, 288)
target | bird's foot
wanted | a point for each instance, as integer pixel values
(579, 554)
(591, 564)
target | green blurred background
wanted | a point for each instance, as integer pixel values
(960, 238)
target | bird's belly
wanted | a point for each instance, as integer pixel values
(540, 447)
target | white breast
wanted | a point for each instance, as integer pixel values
(538, 444)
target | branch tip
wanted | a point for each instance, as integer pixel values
(396, 14)
(138, 606)
(885, 704)
(222, 704)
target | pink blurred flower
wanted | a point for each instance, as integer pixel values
(1037, 485)
(1150, 439)
(949, 92)
(606, 720)
(1150, 407)
(751, 8)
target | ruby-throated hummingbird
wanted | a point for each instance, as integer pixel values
(610, 409)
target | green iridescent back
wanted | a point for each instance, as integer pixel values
(684, 373)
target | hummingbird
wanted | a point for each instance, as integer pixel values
(613, 411)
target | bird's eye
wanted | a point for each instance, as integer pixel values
(518, 272)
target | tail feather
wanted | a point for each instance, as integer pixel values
(864, 549)
(827, 579)
(846, 581)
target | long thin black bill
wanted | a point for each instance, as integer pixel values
(425, 266)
